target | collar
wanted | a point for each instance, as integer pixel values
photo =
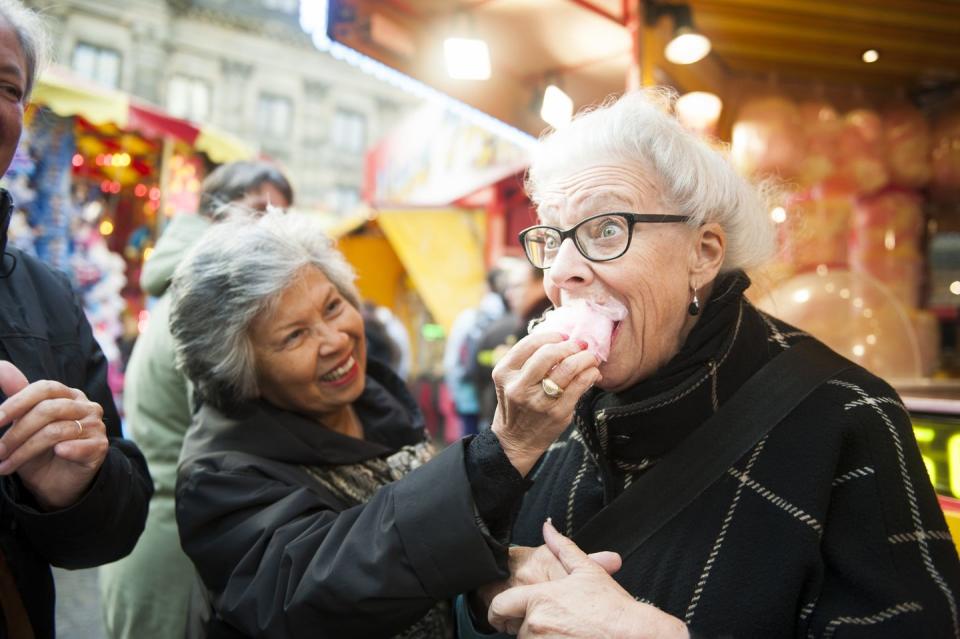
(632, 428)
(386, 409)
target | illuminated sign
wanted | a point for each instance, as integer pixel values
(938, 438)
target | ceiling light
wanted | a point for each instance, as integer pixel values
(699, 111)
(687, 47)
(467, 58)
(870, 56)
(557, 107)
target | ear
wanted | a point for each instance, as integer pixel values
(709, 249)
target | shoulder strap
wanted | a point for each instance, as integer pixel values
(702, 458)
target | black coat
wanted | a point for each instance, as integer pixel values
(829, 527)
(283, 556)
(43, 331)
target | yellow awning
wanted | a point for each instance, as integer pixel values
(67, 98)
(442, 252)
(222, 147)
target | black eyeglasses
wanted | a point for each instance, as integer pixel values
(599, 238)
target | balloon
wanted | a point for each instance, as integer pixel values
(855, 315)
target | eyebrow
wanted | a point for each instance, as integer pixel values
(7, 67)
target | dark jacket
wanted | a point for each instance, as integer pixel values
(44, 332)
(829, 527)
(283, 556)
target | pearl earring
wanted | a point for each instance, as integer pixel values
(694, 308)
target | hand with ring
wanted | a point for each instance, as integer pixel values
(57, 441)
(538, 383)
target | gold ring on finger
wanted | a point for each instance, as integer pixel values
(550, 388)
(79, 428)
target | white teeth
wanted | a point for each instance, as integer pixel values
(339, 372)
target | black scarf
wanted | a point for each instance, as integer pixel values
(629, 430)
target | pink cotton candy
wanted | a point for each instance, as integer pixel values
(585, 321)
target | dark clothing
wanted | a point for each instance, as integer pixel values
(496, 340)
(284, 554)
(829, 527)
(44, 333)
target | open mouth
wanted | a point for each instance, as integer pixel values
(341, 372)
(613, 333)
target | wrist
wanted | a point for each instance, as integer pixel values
(522, 457)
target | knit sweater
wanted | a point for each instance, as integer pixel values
(828, 527)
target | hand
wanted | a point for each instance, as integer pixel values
(533, 566)
(527, 420)
(54, 457)
(587, 602)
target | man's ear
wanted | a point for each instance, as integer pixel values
(709, 249)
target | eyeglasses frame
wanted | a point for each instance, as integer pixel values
(571, 233)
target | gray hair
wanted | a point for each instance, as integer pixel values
(236, 272)
(692, 178)
(230, 182)
(32, 35)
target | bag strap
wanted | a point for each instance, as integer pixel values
(702, 458)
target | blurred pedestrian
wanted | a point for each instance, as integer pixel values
(72, 492)
(147, 594)
(460, 352)
(527, 302)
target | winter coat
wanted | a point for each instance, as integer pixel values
(828, 527)
(290, 539)
(157, 406)
(44, 332)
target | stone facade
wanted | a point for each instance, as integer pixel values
(244, 66)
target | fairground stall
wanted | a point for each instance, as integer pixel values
(851, 108)
(95, 178)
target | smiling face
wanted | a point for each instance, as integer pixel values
(13, 81)
(310, 351)
(652, 279)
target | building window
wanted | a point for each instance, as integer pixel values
(274, 115)
(188, 98)
(99, 64)
(349, 131)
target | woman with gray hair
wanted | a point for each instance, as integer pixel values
(754, 483)
(305, 497)
(158, 410)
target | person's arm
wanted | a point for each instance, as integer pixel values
(888, 564)
(102, 526)
(279, 561)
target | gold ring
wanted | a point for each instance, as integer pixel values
(550, 388)
(79, 428)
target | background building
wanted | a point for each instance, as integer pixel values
(228, 63)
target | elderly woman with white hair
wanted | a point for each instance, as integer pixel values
(754, 483)
(304, 496)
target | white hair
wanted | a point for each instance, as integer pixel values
(32, 35)
(691, 178)
(236, 272)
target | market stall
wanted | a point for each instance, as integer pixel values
(852, 108)
(95, 178)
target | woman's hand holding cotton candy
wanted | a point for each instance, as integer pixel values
(527, 420)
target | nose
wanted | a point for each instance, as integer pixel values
(570, 270)
(330, 340)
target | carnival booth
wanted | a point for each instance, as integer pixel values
(95, 178)
(851, 109)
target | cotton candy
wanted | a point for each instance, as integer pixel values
(586, 321)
